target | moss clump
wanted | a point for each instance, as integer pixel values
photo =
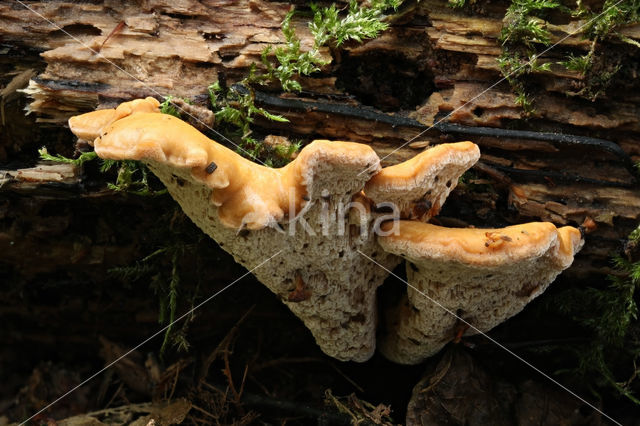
(596, 67)
(82, 158)
(167, 107)
(525, 34)
(610, 315)
(164, 270)
(131, 177)
(614, 14)
(235, 109)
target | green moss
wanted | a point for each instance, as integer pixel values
(328, 28)
(515, 66)
(613, 15)
(172, 300)
(458, 4)
(525, 34)
(634, 237)
(236, 110)
(167, 107)
(172, 271)
(580, 64)
(524, 31)
(132, 176)
(610, 314)
(82, 158)
(524, 24)
(598, 69)
(290, 60)
(360, 22)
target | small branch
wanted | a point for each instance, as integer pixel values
(547, 175)
(222, 346)
(558, 138)
(370, 114)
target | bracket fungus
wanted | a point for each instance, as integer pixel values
(89, 126)
(420, 185)
(483, 276)
(323, 217)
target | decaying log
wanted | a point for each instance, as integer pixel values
(433, 61)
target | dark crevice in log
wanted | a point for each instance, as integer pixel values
(81, 86)
(403, 84)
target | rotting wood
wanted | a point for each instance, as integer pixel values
(179, 48)
(40, 177)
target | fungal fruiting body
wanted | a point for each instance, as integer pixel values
(89, 126)
(294, 211)
(318, 217)
(419, 186)
(474, 278)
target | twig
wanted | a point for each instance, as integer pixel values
(113, 32)
(175, 382)
(545, 175)
(203, 411)
(276, 362)
(369, 114)
(145, 407)
(347, 378)
(223, 344)
(559, 138)
(197, 420)
(244, 380)
(115, 394)
(439, 375)
(492, 172)
(227, 372)
(214, 389)
(296, 408)
(260, 385)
